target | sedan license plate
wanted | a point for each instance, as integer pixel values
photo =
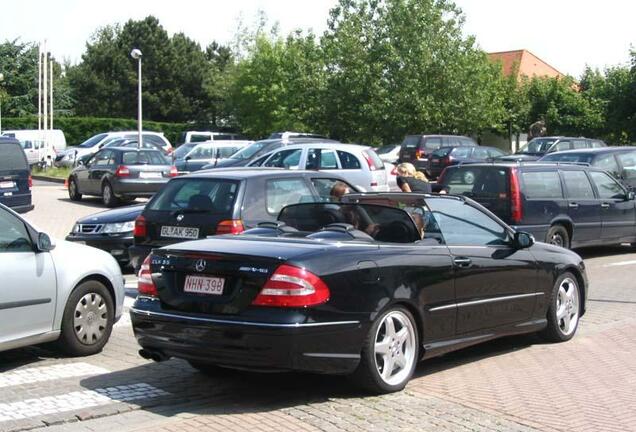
(204, 285)
(7, 185)
(148, 175)
(180, 232)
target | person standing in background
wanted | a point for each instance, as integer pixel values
(411, 180)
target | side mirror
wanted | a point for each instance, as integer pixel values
(523, 240)
(44, 243)
(631, 196)
(187, 158)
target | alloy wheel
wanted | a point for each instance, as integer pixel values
(394, 348)
(556, 239)
(106, 194)
(90, 318)
(567, 307)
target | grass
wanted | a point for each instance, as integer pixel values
(62, 172)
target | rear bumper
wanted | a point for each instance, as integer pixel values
(138, 188)
(18, 203)
(329, 347)
(116, 246)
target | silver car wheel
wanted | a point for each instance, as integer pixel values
(72, 188)
(90, 319)
(107, 193)
(567, 306)
(394, 348)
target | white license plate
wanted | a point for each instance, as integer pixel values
(180, 232)
(7, 185)
(148, 175)
(204, 285)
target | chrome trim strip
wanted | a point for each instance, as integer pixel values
(24, 303)
(331, 355)
(490, 300)
(246, 323)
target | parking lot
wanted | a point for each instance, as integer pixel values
(513, 384)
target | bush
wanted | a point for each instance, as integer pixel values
(78, 129)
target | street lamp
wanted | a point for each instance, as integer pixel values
(136, 54)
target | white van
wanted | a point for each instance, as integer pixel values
(40, 146)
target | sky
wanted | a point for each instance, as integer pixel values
(567, 34)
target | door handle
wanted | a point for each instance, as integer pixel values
(573, 205)
(462, 262)
(605, 205)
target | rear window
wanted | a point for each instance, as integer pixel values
(348, 161)
(375, 159)
(12, 157)
(568, 157)
(478, 182)
(433, 143)
(200, 137)
(411, 141)
(542, 184)
(143, 158)
(461, 152)
(215, 196)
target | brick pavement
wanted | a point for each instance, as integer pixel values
(514, 384)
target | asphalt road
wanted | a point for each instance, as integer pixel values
(514, 384)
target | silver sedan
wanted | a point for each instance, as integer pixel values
(63, 292)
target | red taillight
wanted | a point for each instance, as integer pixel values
(230, 226)
(140, 227)
(30, 182)
(516, 205)
(369, 161)
(291, 286)
(122, 171)
(173, 171)
(420, 154)
(446, 160)
(145, 284)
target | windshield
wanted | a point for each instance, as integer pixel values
(93, 140)
(183, 150)
(386, 149)
(537, 145)
(249, 151)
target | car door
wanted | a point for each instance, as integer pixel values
(618, 213)
(495, 282)
(104, 163)
(28, 288)
(584, 209)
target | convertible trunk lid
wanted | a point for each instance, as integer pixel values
(221, 275)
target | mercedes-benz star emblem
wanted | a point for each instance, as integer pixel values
(179, 218)
(199, 265)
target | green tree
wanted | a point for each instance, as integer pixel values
(404, 66)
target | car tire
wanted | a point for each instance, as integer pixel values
(73, 190)
(108, 195)
(88, 319)
(392, 339)
(557, 235)
(564, 311)
(209, 369)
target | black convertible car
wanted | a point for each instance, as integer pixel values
(365, 287)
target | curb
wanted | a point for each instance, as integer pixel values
(48, 179)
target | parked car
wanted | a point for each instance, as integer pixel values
(62, 292)
(365, 288)
(618, 161)
(224, 201)
(202, 136)
(538, 147)
(289, 134)
(359, 165)
(447, 156)
(260, 148)
(389, 153)
(566, 205)
(183, 150)
(208, 153)
(15, 176)
(95, 143)
(416, 149)
(117, 174)
(110, 231)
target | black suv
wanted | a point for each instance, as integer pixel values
(538, 147)
(618, 161)
(416, 149)
(563, 204)
(15, 176)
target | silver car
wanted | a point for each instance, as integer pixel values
(358, 165)
(69, 293)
